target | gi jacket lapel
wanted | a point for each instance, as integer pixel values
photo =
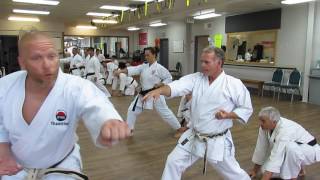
(40, 122)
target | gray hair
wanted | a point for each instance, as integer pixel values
(218, 52)
(270, 112)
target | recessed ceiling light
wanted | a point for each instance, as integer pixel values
(15, 18)
(108, 21)
(148, 0)
(45, 2)
(118, 8)
(86, 27)
(157, 24)
(24, 11)
(133, 28)
(99, 14)
(295, 1)
(206, 16)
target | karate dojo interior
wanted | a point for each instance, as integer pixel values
(288, 33)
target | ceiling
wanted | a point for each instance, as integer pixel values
(73, 12)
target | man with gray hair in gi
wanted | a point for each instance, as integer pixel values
(283, 147)
(217, 100)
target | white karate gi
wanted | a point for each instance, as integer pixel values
(76, 62)
(93, 67)
(184, 110)
(281, 154)
(111, 66)
(149, 77)
(52, 133)
(225, 92)
(127, 85)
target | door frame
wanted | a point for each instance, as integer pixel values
(195, 61)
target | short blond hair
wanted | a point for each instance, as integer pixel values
(32, 35)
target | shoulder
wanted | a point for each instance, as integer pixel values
(75, 84)
(9, 80)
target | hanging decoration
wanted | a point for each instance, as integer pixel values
(145, 8)
(188, 3)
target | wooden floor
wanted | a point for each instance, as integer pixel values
(143, 156)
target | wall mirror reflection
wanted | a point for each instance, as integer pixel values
(110, 46)
(252, 47)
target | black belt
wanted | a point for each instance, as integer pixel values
(89, 74)
(57, 164)
(132, 81)
(311, 143)
(83, 176)
(143, 93)
(71, 69)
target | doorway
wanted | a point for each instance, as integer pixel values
(201, 42)
(164, 53)
(9, 53)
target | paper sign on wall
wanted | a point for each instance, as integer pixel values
(218, 40)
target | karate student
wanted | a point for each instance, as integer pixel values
(76, 63)
(152, 75)
(40, 107)
(111, 67)
(123, 83)
(217, 100)
(283, 147)
(93, 68)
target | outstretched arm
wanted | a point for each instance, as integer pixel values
(155, 94)
(112, 131)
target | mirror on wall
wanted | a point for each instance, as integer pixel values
(110, 46)
(255, 47)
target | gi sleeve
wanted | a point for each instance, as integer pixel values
(165, 75)
(262, 147)
(4, 135)
(276, 157)
(95, 109)
(135, 70)
(241, 98)
(183, 86)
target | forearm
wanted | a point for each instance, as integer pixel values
(164, 90)
(266, 175)
(5, 149)
(256, 168)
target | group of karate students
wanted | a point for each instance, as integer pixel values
(95, 67)
(40, 107)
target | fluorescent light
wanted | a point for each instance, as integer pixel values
(86, 27)
(295, 1)
(157, 24)
(148, 0)
(107, 21)
(99, 14)
(133, 28)
(45, 2)
(15, 18)
(24, 11)
(118, 8)
(206, 16)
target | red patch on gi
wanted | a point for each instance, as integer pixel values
(61, 115)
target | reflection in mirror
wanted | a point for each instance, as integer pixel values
(110, 46)
(252, 47)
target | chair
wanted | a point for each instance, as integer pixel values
(293, 84)
(276, 81)
(177, 73)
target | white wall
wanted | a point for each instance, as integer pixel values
(316, 40)
(174, 31)
(291, 42)
(13, 28)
